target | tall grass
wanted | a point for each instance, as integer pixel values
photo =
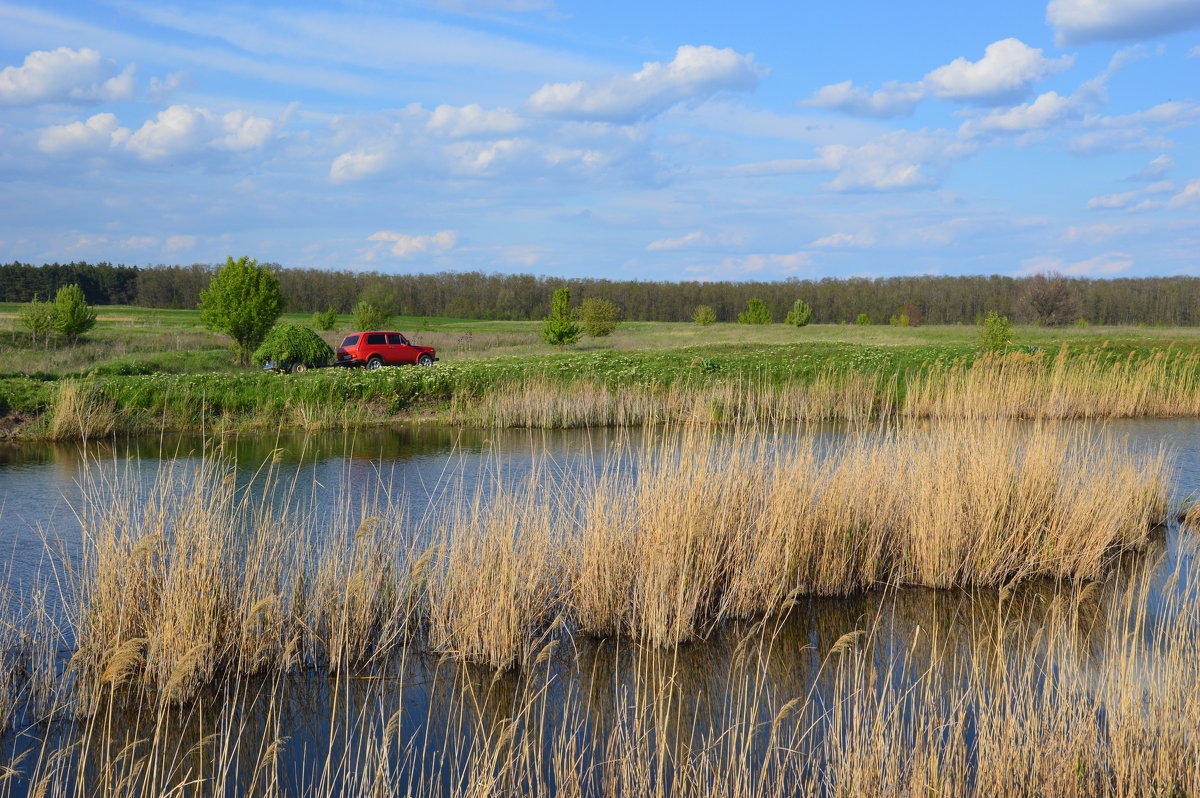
(1085, 690)
(780, 385)
(192, 579)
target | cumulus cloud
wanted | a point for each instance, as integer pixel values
(65, 75)
(1136, 130)
(405, 246)
(178, 133)
(695, 74)
(736, 267)
(893, 99)
(1082, 21)
(1007, 72)
(1046, 111)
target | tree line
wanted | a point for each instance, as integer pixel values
(1166, 301)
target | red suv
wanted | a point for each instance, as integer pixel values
(375, 349)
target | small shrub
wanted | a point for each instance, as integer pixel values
(704, 315)
(291, 343)
(370, 317)
(899, 320)
(756, 312)
(863, 320)
(599, 317)
(800, 314)
(1082, 323)
(995, 334)
(72, 314)
(559, 328)
(38, 317)
(325, 321)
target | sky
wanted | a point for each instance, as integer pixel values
(660, 141)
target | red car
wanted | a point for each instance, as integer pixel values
(375, 349)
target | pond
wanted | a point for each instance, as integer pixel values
(952, 691)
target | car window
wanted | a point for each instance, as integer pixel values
(351, 340)
(396, 339)
(375, 339)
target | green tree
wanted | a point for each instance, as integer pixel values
(599, 317)
(800, 314)
(370, 317)
(756, 312)
(559, 328)
(72, 314)
(863, 319)
(325, 320)
(38, 317)
(995, 333)
(703, 315)
(243, 301)
(293, 345)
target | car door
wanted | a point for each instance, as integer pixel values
(399, 349)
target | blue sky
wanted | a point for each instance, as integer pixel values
(700, 140)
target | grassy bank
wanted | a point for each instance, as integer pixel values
(730, 384)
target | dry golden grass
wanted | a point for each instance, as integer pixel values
(81, 413)
(194, 578)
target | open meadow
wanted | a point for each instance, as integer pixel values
(147, 370)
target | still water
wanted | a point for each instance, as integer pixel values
(588, 688)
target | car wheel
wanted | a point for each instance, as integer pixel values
(425, 360)
(299, 368)
(374, 363)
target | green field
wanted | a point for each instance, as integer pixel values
(143, 369)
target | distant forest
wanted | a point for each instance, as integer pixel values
(1162, 301)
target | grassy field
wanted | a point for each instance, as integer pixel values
(144, 369)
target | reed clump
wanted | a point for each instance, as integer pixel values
(81, 412)
(194, 577)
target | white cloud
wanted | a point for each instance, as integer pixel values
(893, 99)
(471, 121)
(65, 75)
(1189, 195)
(357, 165)
(1098, 266)
(1154, 170)
(695, 74)
(183, 131)
(1132, 200)
(1081, 21)
(405, 246)
(1007, 71)
(895, 160)
(99, 133)
(1046, 111)
(838, 240)
(1136, 130)
(740, 266)
(694, 238)
(179, 242)
(1090, 234)
(180, 132)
